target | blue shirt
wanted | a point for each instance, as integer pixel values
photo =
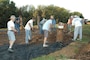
(46, 25)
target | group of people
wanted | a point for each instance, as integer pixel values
(45, 27)
(13, 27)
(77, 22)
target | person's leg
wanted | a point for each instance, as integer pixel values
(40, 27)
(30, 35)
(54, 27)
(27, 36)
(42, 31)
(70, 27)
(75, 33)
(11, 40)
(17, 28)
(80, 32)
(45, 38)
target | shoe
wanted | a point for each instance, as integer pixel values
(44, 45)
(27, 44)
(10, 50)
(78, 39)
(73, 40)
(29, 40)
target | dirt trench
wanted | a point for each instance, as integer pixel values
(33, 50)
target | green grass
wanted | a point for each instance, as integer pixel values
(85, 40)
(62, 57)
(45, 58)
(86, 34)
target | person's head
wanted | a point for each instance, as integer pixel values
(71, 17)
(33, 18)
(12, 17)
(52, 17)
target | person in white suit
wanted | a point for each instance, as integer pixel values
(77, 22)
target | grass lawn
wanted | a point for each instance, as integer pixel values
(85, 40)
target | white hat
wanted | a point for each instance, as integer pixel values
(76, 16)
(12, 16)
(71, 16)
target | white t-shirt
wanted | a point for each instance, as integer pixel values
(77, 22)
(27, 25)
(46, 25)
(10, 24)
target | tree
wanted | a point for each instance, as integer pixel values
(27, 12)
(77, 13)
(7, 8)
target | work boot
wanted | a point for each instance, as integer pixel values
(10, 50)
(44, 45)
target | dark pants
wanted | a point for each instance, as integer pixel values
(40, 29)
(17, 27)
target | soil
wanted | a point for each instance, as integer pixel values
(35, 49)
(23, 51)
(84, 53)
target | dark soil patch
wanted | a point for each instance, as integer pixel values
(27, 52)
(33, 50)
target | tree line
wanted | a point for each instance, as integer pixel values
(8, 8)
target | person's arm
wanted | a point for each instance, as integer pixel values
(68, 21)
(31, 24)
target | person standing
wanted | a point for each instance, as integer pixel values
(77, 22)
(28, 30)
(47, 28)
(18, 22)
(70, 23)
(10, 32)
(53, 23)
(41, 25)
(21, 22)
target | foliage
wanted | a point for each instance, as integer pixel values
(45, 58)
(7, 8)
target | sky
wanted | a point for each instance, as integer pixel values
(82, 6)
